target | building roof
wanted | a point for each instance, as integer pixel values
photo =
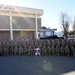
(46, 30)
(21, 9)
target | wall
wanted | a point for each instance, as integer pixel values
(4, 35)
(4, 22)
(23, 35)
(19, 22)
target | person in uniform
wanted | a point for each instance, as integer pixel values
(16, 52)
(52, 50)
(53, 42)
(5, 51)
(20, 50)
(66, 51)
(24, 50)
(72, 51)
(43, 50)
(29, 50)
(61, 52)
(63, 43)
(58, 42)
(1, 51)
(56, 52)
(48, 51)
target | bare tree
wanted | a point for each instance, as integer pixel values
(66, 27)
(65, 24)
(73, 26)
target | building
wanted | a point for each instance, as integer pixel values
(19, 22)
(46, 32)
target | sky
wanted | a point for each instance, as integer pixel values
(52, 10)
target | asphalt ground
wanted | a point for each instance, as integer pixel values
(37, 65)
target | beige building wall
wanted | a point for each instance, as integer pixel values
(21, 19)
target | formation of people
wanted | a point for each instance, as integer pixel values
(49, 47)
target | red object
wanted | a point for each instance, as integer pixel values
(37, 50)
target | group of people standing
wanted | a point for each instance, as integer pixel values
(49, 47)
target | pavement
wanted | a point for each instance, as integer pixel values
(37, 65)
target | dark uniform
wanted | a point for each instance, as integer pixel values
(16, 52)
(52, 50)
(61, 52)
(58, 43)
(66, 51)
(53, 43)
(63, 43)
(5, 51)
(24, 50)
(43, 51)
(72, 51)
(48, 51)
(56, 52)
(29, 50)
(1, 51)
(20, 50)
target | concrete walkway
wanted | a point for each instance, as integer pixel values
(37, 65)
